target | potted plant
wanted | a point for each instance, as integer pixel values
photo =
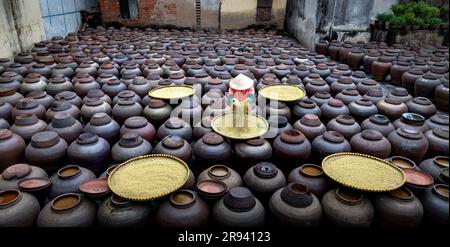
(417, 22)
(409, 20)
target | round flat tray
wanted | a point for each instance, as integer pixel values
(171, 92)
(148, 177)
(223, 125)
(282, 92)
(363, 172)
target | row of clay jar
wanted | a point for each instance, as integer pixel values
(305, 198)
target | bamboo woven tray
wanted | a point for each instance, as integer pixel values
(223, 125)
(171, 92)
(282, 92)
(148, 177)
(363, 172)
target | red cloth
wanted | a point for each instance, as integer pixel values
(241, 95)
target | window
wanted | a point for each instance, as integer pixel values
(264, 10)
(128, 9)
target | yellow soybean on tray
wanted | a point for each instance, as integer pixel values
(363, 172)
(148, 177)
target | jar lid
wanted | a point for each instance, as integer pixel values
(297, 195)
(369, 82)
(441, 132)
(136, 122)
(393, 101)
(67, 95)
(16, 171)
(351, 92)
(370, 134)
(422, 101)
(60, 105)
(265, 170)
(87, 138)
(277, 121)
(322, 95)
(66, 202)
(310, 120)
(345, 80)
(34, 184)
(363, 102)
(379, 119)
(174, 123)
(173, 141)
(182, 198)
(314, 76)
(239, 199)
(26, 119)
(374, 92)
(100, 118)
(343, 67)
(130, 140)
(292, 136)
(345, 119)
(400, 91)
(333, 136)
(318, 82)
(255, 141)
(440, 119)
(156, 103)
(409, 133)
(335, 103)
(348, 196)
(359, 74)
(307, 103)
(5, 134)
(27, 103)
(62, 120)
(212, 138)
(44, 139)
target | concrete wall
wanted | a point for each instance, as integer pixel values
(20, 26)
(351, 19)
(233, 14)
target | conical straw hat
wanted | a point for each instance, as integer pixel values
(241, 82)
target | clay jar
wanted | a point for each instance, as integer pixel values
(364, 86)
(46, 150)
(93, 106)
(97, 94)
(124, 109)
(434, 166)
(312, 177)
(238, 208)
(381, 68)
(437, 121)
(174, 126)
(422, 106)
(82, 87)
(295, 205)
(189, 110)
(253, 150)
(140, 126)
(30, 106)
(67, 127)
(400, 93)
(102, 125)
(344, 124)
(9, 95)
(68, 210)
(264, 179)
(397, 71)
(32, 84)
(113, 87)
(129, 146)
(321, 98)
(371, 142)
(409, 143)
(58, 84)
(374, 95)
(183, 209)
(176, 146)
(291, 146)
(17, 172)
(310, 126)
(409, 79)
(90, 151)
(439, 141)
(398, 208)
(18, 209)
(412, 121)
(435, 205)
(333, 109)
(347, 96)
(392, 108)
(26, 125)
(5, 111)
(316, 85)
(344, 82)
(278, 109)
(345, 208)
(306, 106)
(119, 212)
(361, 109)
(68, 178)
(379, 123)
(12, 147)
(355, 58)
(157, 111)
(329, 143)
(425, 86)
(222, 173)
(61, 105)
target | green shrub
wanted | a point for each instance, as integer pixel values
(385, 17)
(398, 9)
(433, 21)
(410, 18)
(398, 20)
(444, 12)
